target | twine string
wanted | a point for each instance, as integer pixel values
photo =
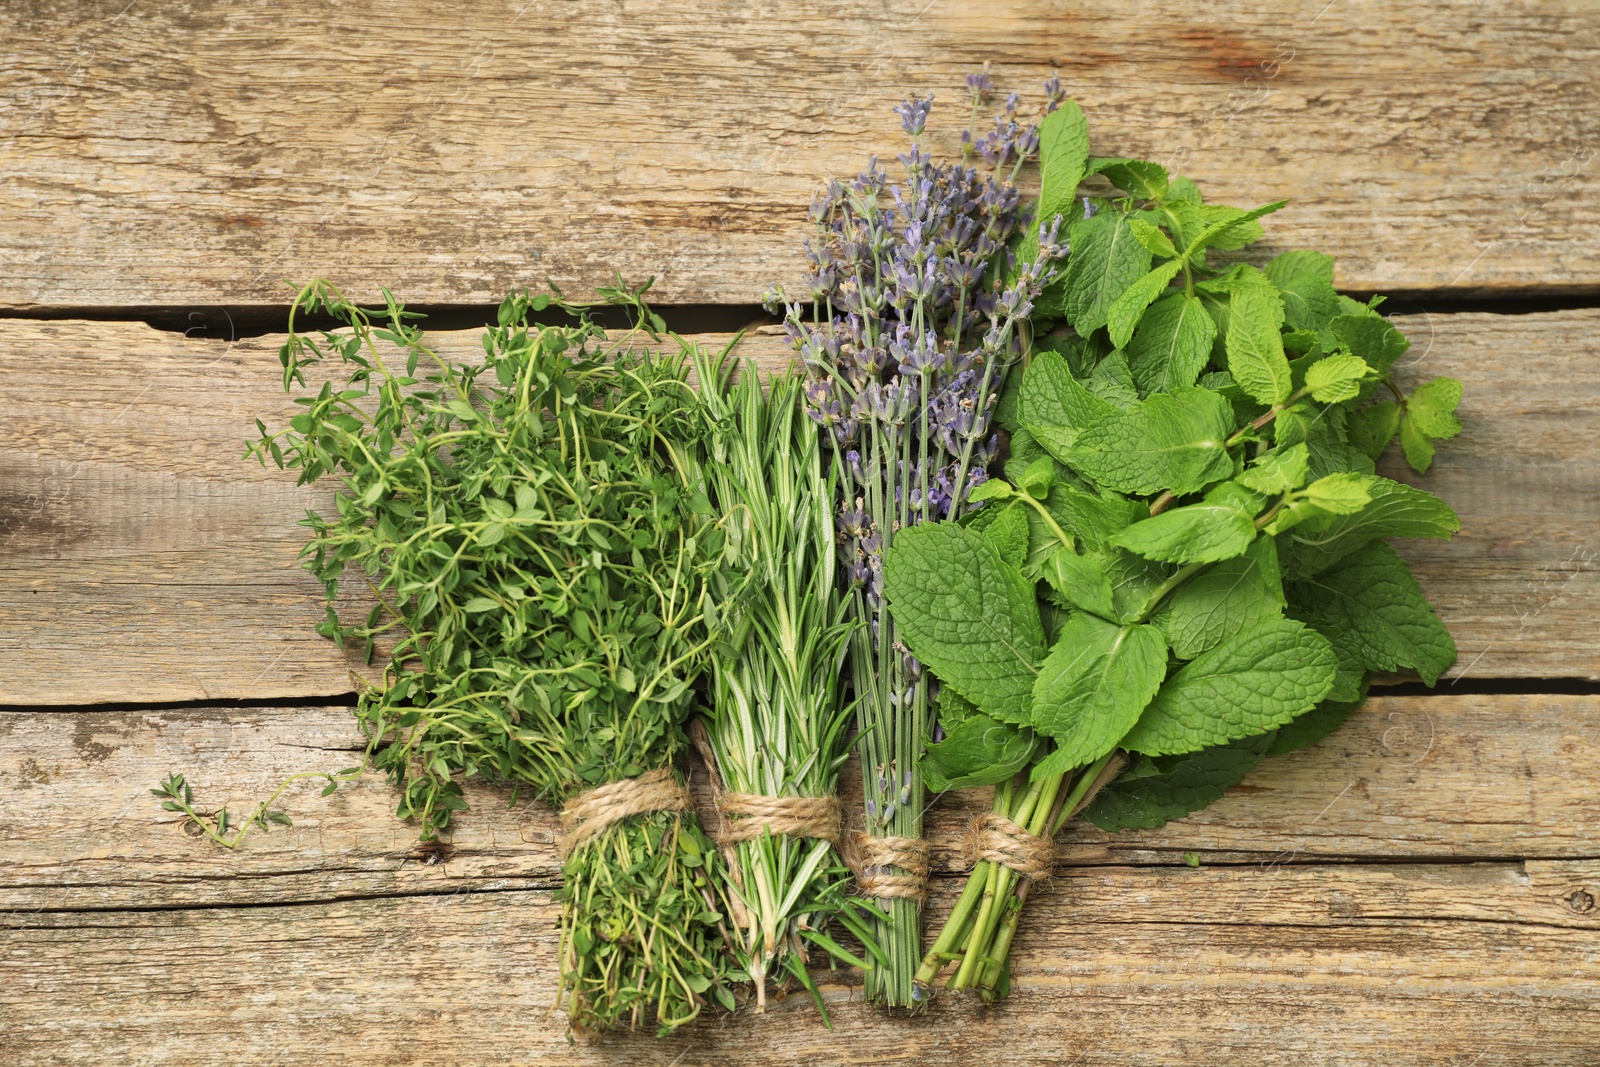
(591, 811)
(872, 858)
(746, 816)
(997, 839)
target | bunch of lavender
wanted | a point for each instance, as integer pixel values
(918, 307)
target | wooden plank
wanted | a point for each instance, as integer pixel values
(196, 154)
(1407, 779)
(146, 560)
(1451, 965)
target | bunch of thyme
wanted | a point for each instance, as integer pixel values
(534, 532)
(778, 723)
(917, 308)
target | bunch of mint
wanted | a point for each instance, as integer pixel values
(1183, 568)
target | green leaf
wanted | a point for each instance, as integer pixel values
(1054, 406)
(1262, 677)
(1373, 427)
(1136, 177)
(1231, 219)
(977, 750)
(1222, 600)
(1305, 280)
(1315, 726)
(1428, 416)
(1373, 595)
(1063, 152)
(1337, 378)
(1417, 446)
(1395, 510)
(1126, 310)
(1171, 345)
(1170, 441)
(1254, 340)
(1153, 792)
(1080, 581)
(967, 615)
(1092, 687)
(1198, 533)
(1093, 520)
(1343, 493)
(480, 603)
(1152, 238)
(1039, 476)
(1106, 259)
(1372, 337)
(1134, 581)
(1277, 471)
(1008, 533)
(1112, 382)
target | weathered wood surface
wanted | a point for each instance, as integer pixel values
(1433, 778)
(146, 560)
(1344, 966)
(1290, 945)
(196, 154)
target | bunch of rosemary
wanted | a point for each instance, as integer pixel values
(534, 531)
(778, 724)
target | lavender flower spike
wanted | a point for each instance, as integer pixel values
(914, 114)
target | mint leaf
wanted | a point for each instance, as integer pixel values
(1091, 519)
(1080, 581)
(1315, 726)
(969, 616)
(1372, 337)
(1126, 310)
(1171, 345)
(1153, 792)
(1262, 677)
(1134, 581)
(976, 750)
(1054, 406)
(1395, 510)
(1373, 596)
(1343, 493)
(1152, 238)
(1254, 340)
(1112, 382)
(1229, 220)
(1092, 687)
(1106, 259)
(1137, 177)
(1429, 415)
(1336, 379)
(1168, 441)
(1216, 604)
(1373, 427)
(1063, 151)
(1278, 471)
(1008, 532)
(1199, 533)
(1305, 280)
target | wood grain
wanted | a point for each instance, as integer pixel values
(146, 560)
(196, 154)
(1430, 779)
(1388, 965)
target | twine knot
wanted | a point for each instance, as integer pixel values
(746, 816)
(872, 857)
(591, 811)
(995, 838)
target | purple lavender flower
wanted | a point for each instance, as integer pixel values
(914, 114)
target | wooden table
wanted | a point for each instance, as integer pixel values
(1419, 889)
